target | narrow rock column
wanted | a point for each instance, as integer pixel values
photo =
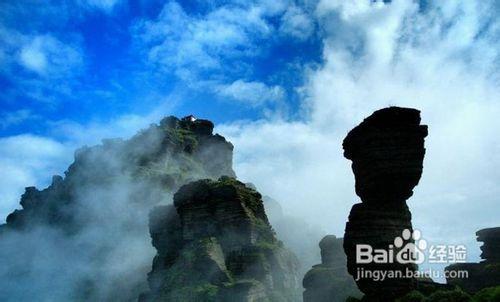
(387, 152)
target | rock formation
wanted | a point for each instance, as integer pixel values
(169, 154)
(491, 244)
(98, 213)
(330, 281)
(387, 152)
(216, 244)
(298, 235)
(487, 272)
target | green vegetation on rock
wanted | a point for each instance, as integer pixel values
(490, 294)
(228, 250)
(413, 296)
(99, 209)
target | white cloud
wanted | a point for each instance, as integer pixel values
(104, 5)
(93, 132)
(443, 61)
(209, 51)
(33, 58)
(15, 117)
(31, 160)
(252, 93)
(47, 56)
(10, 42)
(178, 40)
(28, 160)
(347, 9)
(216, 42)
(39, 66)
(38, 54)
(297, 23)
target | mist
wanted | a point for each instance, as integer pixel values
(440, 57)
(86, 237)
(379, 55)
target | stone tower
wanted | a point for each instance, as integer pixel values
(387, 152)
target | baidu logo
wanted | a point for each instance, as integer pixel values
(410, 247)
(410, 252)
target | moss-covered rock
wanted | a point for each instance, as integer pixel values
(167, 156)
(98, 211)
(227, 248)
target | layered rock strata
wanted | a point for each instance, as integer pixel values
(97, 213)
(387, 152)
(491, 244)
(216, 244)
(479, 275)
(329, 281)
(163, 156)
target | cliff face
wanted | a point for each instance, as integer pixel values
(165, 156)
(387, 152)
(85, 224)
(216, 244)
(330, 281)
(487, 272)
(491, 244)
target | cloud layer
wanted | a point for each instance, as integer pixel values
(441, 59)
(28, 160)
(46, 56)
(216, 50)
(438, 56)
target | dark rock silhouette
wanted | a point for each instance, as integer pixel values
(330, 281)
(216, 244)
(487, 272)
(491, 247)
(387, 152)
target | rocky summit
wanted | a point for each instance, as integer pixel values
(484, 274)
(387, 152)
(88, 231)
(167, 155)
(216, 244)
(330, 281)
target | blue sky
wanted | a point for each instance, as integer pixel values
(284, 80)
(97, 60)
